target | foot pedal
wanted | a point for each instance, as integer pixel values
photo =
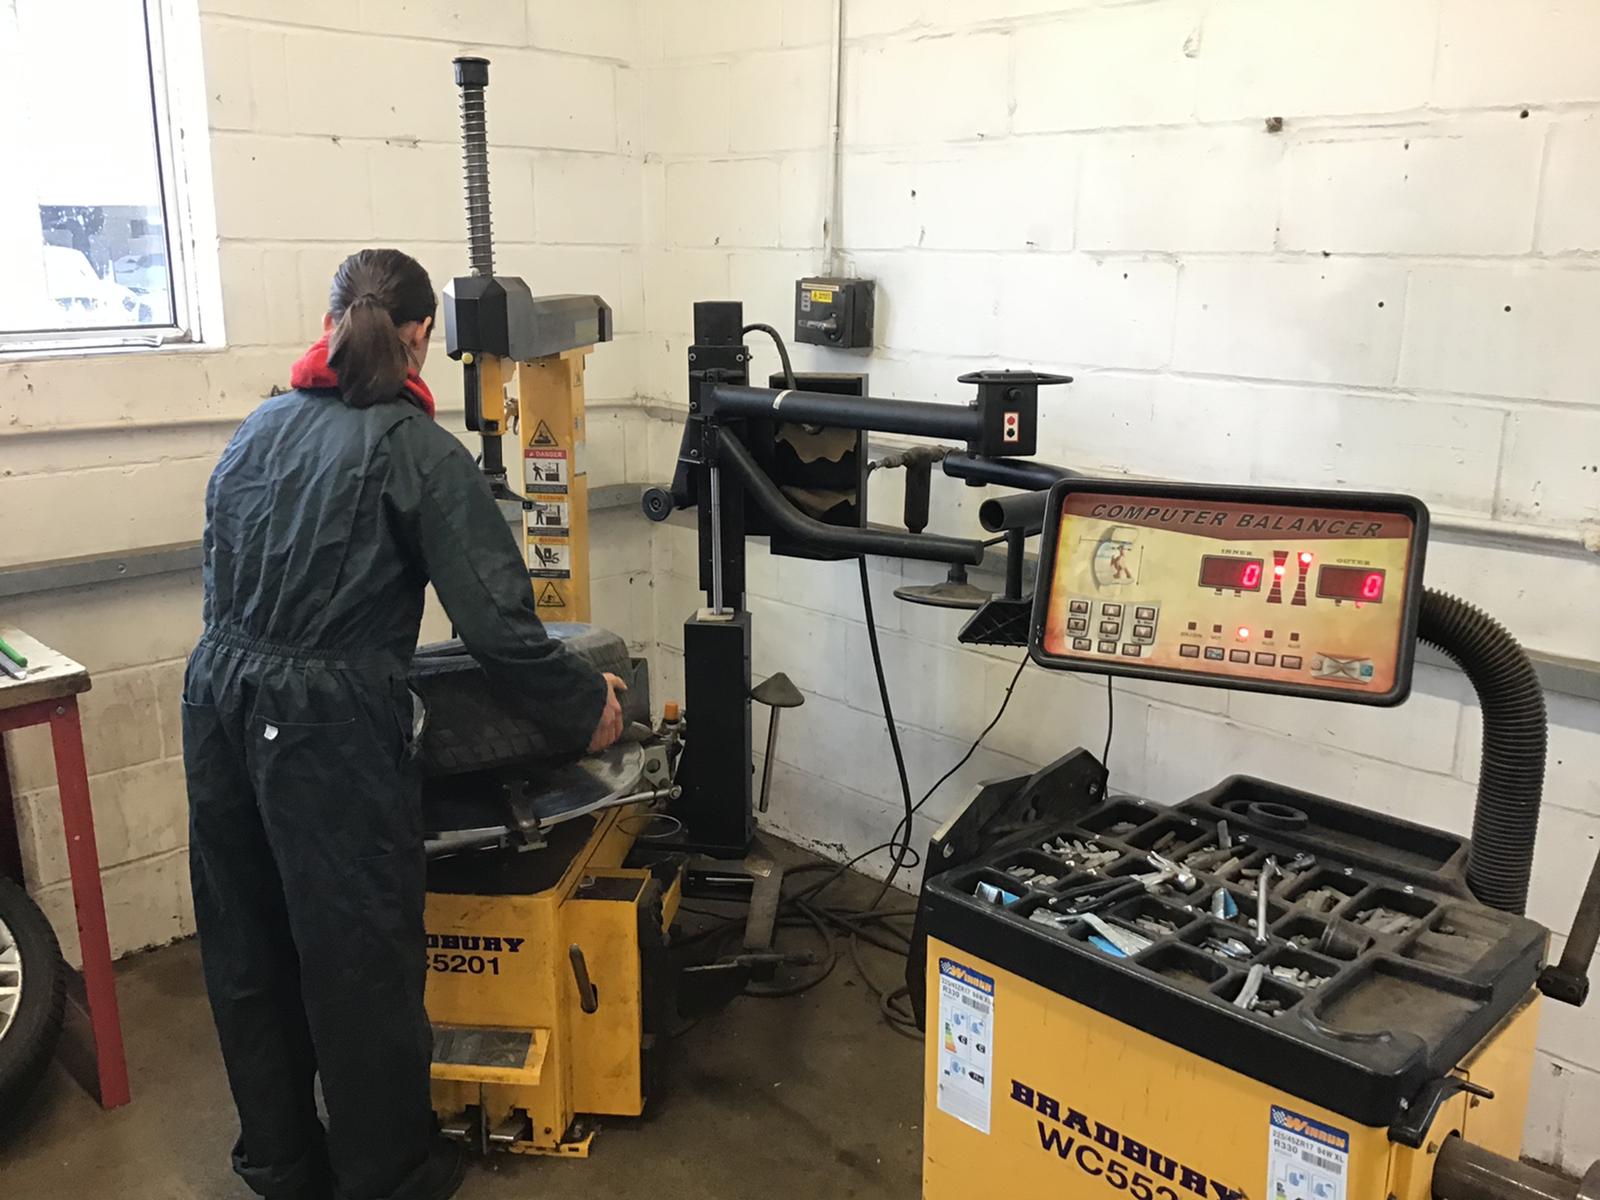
(471, 1054)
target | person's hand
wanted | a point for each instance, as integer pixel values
(609, 727)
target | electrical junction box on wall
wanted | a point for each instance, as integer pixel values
(829, 311)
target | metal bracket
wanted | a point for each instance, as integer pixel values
(1411, 1127)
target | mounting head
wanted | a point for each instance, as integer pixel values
(1009, 403)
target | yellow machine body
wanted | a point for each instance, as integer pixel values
(555, 482)
(550, 470)
(514, 1046)
(1080, 1106)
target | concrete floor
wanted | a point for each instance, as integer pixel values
(812, 1096)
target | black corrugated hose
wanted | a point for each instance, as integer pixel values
(1511, 781)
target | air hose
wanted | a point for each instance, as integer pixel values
(1511, 780)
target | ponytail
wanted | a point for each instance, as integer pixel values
(375, 292)
(366, 350)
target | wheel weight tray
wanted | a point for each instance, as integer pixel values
(1373, 983)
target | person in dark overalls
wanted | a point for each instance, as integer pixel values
(330, 511)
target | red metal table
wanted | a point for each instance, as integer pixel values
(49, 696)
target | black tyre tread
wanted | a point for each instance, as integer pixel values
(471, 729)
(29, 1045)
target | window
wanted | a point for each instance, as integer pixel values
(102, 218)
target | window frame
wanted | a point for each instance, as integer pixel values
(183, 157)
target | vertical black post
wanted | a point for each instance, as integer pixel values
(716, 805)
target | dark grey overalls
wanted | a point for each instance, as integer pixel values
(324, 523)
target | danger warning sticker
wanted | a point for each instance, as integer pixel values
(542, 436)
(545, 470)
(550, 597)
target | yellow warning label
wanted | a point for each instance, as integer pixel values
(543, 437)
(822, 295)
(550, 597)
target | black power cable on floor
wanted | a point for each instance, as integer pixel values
(905, 822)
(872, 925)
(894, 735)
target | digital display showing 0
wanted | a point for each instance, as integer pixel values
(1351, 583)
(1225, 571)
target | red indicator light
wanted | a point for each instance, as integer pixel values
(1278, 570)
(1305, 558)
(1244, 633)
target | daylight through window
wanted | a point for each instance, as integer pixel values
(91, 245)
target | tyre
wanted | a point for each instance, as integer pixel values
(473, 726)
(33, 982)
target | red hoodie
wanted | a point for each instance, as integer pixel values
(311, 370)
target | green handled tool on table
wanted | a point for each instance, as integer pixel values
(13, 661)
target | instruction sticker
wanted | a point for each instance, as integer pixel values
(546, 514)
(966, 1043)
(544, 470)
(1306, 1159)
(549, 558)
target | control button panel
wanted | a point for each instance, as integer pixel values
(1305, 593)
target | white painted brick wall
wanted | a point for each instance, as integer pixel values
(780, 101)
(1520, 330)
(1092, 187)
(1015, 195)
(1303, 58)
(1409, 193)
(943, 89)
(1108, 67)
(1567, 220)
(727, 203)
(1178, 190)
(1314, 319)
(1538, 53)
(686, 108)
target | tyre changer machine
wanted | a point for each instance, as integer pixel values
(546, 929)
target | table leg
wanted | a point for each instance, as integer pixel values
(77, 818)
(10, 843)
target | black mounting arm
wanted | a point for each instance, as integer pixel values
(925, 546)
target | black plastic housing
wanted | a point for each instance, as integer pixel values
(1381, 502)
(832, 311)
(1393, 1013)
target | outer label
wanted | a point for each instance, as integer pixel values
(966, 1044)
(1306, 1160)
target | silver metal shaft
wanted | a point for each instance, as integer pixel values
(1263, 885)
(772, 750)
(716, 540)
